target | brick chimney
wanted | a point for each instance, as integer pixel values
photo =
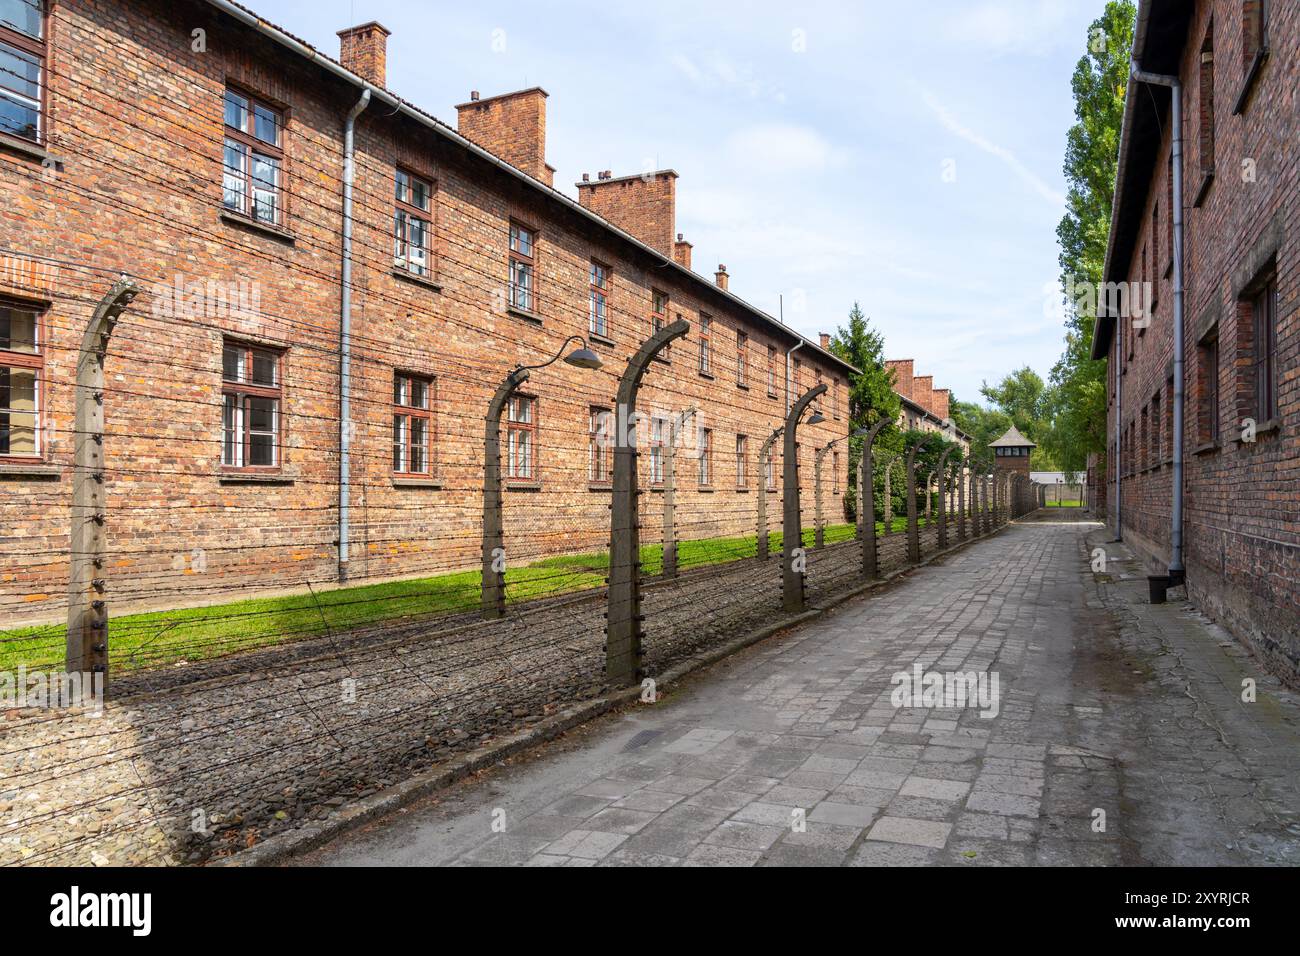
(826, 341)
(721, 277)
(364, 51)
(902, 376)
(922, 386)
(939, 402)
(682, 252)
(645, 206)
(512, 127)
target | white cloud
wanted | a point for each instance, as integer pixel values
(1023, 172)
(715, 71)
(783, 148)
(1025, 27)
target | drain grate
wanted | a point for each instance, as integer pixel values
(641, 739)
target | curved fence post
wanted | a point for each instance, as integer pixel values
(942, 471)
(761, 543)
(888, 503)
(819, 521)
(86, 650)
(623, 612)
(962, 467)
(675, 426)
(929, 484)
(792, 553)
(913, 532)
(867, 504)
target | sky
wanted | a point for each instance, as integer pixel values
(902, 155)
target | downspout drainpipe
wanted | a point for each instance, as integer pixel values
(345, 336)
(1119, 429)
(1176, 569)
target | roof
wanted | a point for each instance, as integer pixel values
(550, 193)
(1158, 43)
(926, 413)
(1012, 439)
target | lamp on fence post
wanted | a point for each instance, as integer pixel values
(675, 425)
(867, 500)
(913, 532)
(943, 509)
(761, 544)
(86, 650)
(623, 609)
(792, 572)
(493, 587)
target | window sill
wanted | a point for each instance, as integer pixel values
(524, 486)
(601, 340)
(36, 470)
(1269, 427)
(255, 478)
(772, 395)
(244, 222)
(708, 375)
(600, 486)
(1205, 448)
(26, 147)
(663, 358)
(1248, 86)
(706, 489)
(743, 386)
(1207, 180)
(742, 490)
(406, 275)
(524, 314)
(413, 481)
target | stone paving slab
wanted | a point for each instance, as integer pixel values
(1117, 737)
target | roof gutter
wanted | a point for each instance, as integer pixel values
(399, 105)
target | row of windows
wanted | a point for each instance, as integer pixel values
(252, 401)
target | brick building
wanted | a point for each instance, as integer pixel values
(201, 151)
(1237, 65)
(925, 408)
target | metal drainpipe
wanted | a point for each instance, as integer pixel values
(345, 335)
(1176, 570)
(1119, 429)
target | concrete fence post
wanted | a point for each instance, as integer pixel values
(762, 544)
(675, 426)
(493, 556)
(942, 472)
(86, 650)
(792, 553)
(623, 634)
(913, 532)
(867, 504)
(888, 503)
(962, 467)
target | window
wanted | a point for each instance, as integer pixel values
(251, 397)
(412, 424)
(22, 68)
(798, 378)
(659, 317)
(600, 446)
(705, 458)
(742, 364)
(835, 470)
(254, 158)
(1206, 104)
(769, 472)
(1264, 339)
(598, 303)
(835, 400)
(1207, 380)
(412, 222)
(22, 368)
(706, 353)
(521, 433)
(742, 461)
(1156, 448)
(1254, 15)
(523, 242)
(771, 371)
(658, 431)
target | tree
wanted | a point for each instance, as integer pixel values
(1023, 398)
(871, 391)
(1091, 157)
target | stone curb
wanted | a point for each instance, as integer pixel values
(315, 833)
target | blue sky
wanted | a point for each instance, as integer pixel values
(904, 155)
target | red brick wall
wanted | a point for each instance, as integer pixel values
(643, 206)
(511, 126)
(136, 121)
(1241, 524)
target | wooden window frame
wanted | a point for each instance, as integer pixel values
(742, 363)
(39, 48)
(413, 211)
(771, 372)
(252, 143)
(659, 318)
(600, 447)
(704, 459)
(1263, 314)
(1205, 103)
(409, 412)
(513, 425)
(34, 360)
(659, 424)
(742, 461)
(249, 390)
(597, 293)
(526, 260)
(835, 471)
(1207, 389)
(706, 347)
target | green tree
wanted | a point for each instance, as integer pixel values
(1078, 400)
(871, 391)
(1024, 398)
